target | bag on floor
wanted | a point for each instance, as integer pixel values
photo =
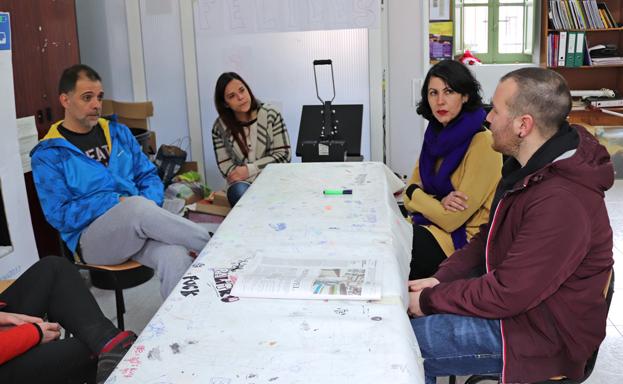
(169, 160)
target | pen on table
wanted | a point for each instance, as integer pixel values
(338, 192)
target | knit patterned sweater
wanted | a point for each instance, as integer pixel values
(273, 144)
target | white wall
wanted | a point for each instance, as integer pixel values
(489, 75)
(164, 70)
(104, 44)
(403, 54)
(103, 38)
(278, 68)
(408, 63)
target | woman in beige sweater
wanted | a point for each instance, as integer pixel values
(450, 192)
(247, 135)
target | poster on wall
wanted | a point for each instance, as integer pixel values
(439, 10)
(440, 41)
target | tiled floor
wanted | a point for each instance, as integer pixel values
(609, 367)
(142, 303)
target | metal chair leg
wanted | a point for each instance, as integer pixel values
(120, 308)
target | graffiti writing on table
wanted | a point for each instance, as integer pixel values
(224, 281)
(224, 285)
(190, 286)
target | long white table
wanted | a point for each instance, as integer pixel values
(203, 335)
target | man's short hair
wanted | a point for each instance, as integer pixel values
(543, 94)
(70, 77)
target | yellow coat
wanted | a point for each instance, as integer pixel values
(477, 176)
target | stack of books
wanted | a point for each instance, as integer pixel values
(577, 14)
(604, 102)
(605, 55)
(566, 49)
(615, 60)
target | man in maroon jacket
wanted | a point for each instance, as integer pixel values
(524, 298)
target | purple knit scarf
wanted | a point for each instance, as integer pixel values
(449, 143)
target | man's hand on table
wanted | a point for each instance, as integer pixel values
(415, 289)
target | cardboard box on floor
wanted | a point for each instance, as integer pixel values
(135, 116)
(132, 114)
(215, 204)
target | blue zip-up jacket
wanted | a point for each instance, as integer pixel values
(74, 189)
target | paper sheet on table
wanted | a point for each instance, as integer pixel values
(322, 279)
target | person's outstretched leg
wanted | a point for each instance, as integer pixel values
(54, 287)
(458, 345)
(169, 261)
(61, 361)
(122, 232)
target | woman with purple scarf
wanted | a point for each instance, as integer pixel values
(450, 192)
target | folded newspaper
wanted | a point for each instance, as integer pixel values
(288, 278)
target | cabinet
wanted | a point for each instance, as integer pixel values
(589, 77)
(44, 42)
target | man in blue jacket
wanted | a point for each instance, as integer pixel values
(102, 194)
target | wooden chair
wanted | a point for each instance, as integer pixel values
(4, 284)
(590, 364)
(113, 277)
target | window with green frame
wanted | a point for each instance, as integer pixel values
(496, 31)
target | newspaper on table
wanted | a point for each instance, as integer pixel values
(292, 278)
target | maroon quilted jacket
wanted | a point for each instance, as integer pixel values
(548, 255)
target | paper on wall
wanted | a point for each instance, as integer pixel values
(27, 137)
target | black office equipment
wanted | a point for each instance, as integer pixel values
(349, 119)
(322, 133)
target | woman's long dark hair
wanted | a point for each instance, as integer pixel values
(235, 127)
(458, 78)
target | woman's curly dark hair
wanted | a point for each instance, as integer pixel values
(458, 78)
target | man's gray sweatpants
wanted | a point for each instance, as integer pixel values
(139, 229)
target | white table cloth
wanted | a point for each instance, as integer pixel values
(201, 334)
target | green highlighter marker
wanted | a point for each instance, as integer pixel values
(338, 192)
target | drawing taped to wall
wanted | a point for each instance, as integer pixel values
(220, 17)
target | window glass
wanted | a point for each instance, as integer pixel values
(529, 28)
(510, 29)
(476, 29)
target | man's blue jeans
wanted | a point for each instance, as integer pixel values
(458, 345)
(236, 190)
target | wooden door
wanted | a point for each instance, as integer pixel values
(28, 78)
(59, 39)
(44, 42)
